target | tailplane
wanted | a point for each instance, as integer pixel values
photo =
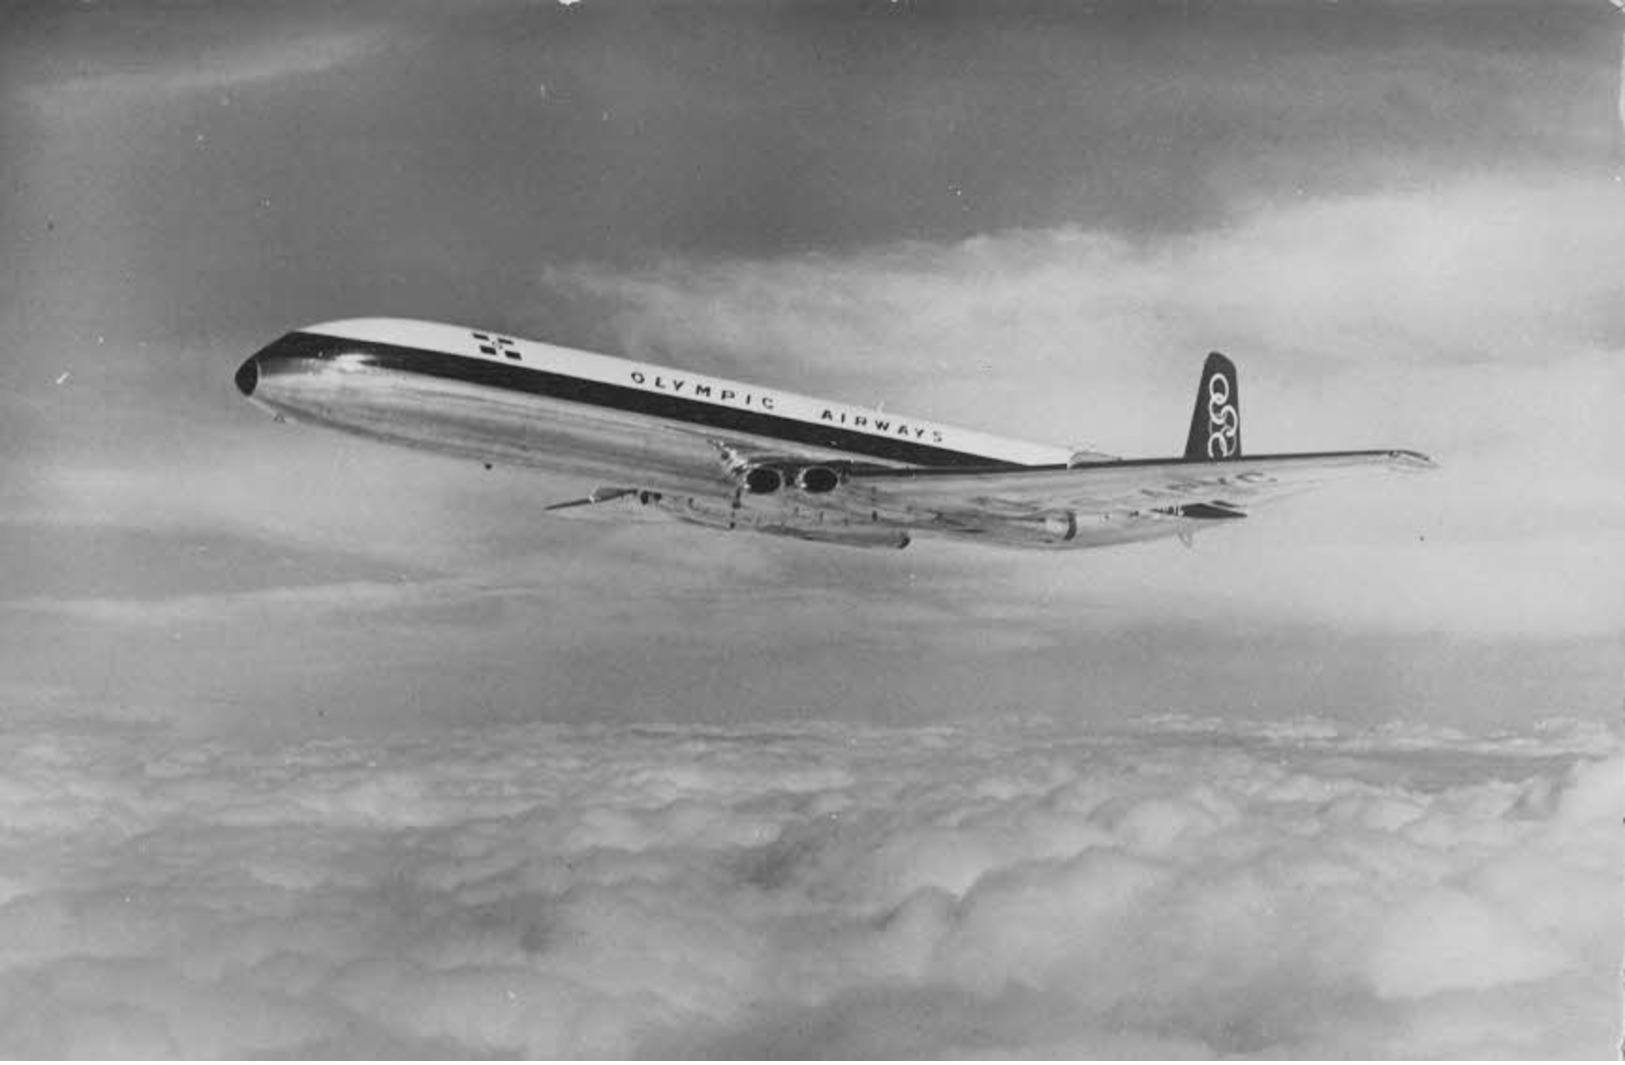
(1216, 422)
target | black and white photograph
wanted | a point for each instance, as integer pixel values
(857, 529)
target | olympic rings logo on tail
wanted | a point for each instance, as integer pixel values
(1223, 420)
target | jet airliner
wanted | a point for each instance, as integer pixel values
(657, 442)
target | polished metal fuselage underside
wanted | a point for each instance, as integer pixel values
(495, 425)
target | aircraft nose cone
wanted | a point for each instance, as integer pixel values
(248, 375)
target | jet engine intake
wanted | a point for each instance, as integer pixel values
(817, 479)
(763, 480)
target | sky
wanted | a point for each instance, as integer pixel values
(1402, 220)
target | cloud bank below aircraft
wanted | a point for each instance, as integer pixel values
(1179, 887)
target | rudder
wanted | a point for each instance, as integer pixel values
(1216, 421)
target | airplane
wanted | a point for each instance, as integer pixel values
(663, 443)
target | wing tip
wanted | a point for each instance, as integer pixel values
(1416, 461)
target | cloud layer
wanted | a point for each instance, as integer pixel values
(211, 66)
(1177, 887)
(1467, 281)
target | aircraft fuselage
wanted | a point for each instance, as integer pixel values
(726, 454)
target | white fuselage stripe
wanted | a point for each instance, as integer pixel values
(719, 392)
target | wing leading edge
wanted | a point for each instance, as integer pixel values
(1125, 486)
(1212, 479)
(1091, 501)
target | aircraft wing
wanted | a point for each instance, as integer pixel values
(1126, 486)
(1093, 500)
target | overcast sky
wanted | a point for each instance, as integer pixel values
(1402, 220)
(1406, 222)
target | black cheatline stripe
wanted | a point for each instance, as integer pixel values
(622, 397)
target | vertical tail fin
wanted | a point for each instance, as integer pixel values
(1216, 422)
